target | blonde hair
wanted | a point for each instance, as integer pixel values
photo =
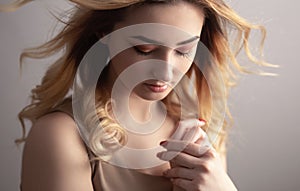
(97, 17)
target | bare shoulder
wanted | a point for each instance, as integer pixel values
(55, 157)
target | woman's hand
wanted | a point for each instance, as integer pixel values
(195, 165)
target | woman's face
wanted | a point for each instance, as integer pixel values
(160, 54)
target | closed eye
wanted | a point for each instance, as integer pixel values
(186, 51)
(148, 49)
(142, 52)
(184, 54)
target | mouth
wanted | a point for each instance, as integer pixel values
(157, 87)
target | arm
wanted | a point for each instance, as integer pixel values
(55, 157)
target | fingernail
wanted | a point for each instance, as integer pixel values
(162, 142)
(159, 155)
(203, 122)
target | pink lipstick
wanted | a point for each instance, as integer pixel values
(157, 88)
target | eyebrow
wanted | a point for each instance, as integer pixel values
(147, 40)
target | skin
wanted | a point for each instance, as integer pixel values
(162, 14)
(55, 157)
(141, 98)
(195, 167)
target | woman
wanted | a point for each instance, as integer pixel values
(111, 113)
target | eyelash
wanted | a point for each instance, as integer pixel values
(142, 53)
(185, 55)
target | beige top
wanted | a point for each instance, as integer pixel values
(107, 177)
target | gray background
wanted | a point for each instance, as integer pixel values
(263, 152)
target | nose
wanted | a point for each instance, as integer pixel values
(165, 71)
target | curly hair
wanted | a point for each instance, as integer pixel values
(93, 18)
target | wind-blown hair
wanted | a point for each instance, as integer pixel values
(94, 18)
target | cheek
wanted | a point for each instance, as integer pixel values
(186, 67)
(183, 67)
(122, 61)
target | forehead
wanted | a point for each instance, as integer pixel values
(167, 24)
(180, 14)
(156, 33)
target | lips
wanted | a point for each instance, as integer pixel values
(156, 84)
(157, 87)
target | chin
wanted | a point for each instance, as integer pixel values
(152, 96)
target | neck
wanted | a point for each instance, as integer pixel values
(142, 110)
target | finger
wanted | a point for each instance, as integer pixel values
(180, 172)
(167, 155)
(210, 152)
(183, 183)
(174, 145)
(185, 125)
(193, 134)
(204, 140)
(179, 159)
(193, 149)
